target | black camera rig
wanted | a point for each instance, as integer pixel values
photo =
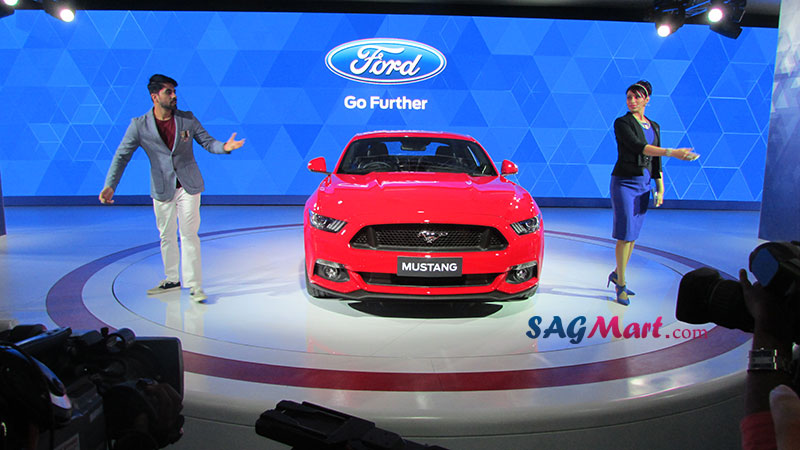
(308, 426)
(704, 296)
(92, 390)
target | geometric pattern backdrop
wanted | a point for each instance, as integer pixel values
(780, 211)
(541, 92)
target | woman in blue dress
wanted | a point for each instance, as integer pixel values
(639, 155)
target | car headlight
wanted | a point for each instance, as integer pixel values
(527, 226)
(324, 223)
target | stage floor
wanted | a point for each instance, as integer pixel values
(460, 375)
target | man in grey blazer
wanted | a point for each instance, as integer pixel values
(166, 133)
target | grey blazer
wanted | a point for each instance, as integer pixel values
(166, 165)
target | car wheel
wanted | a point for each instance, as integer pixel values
(313, 290)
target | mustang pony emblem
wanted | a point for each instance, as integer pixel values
(431, 236)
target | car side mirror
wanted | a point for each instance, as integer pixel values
(318, 165)
(509, 168)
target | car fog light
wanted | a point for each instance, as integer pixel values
(331, 271)
(521, 273)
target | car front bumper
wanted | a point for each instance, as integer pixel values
(364, 266)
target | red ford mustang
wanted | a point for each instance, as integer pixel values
(420, 215)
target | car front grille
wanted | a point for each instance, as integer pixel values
(423, 237)
(390, 279)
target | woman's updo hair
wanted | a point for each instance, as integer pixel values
(641, 88)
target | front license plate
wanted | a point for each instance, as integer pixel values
(428, 267)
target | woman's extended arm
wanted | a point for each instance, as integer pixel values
(685, 154)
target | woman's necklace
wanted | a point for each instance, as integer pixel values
(645, 124)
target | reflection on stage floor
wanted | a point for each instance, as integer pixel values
(548, 370)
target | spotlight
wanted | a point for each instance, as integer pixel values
(717, 10)
(726, 28)
(663, 30)
(715, 14)
(668, 22)
(7, 7)
(729, 24)
(724, 16)
(67, 15)
(59, 9)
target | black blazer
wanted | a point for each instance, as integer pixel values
(630, 148)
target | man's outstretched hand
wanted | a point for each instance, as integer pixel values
(232, 144)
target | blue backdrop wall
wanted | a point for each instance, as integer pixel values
(780, 212)
(543, 93)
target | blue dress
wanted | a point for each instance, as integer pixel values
(630, 197)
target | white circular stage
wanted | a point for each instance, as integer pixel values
(567, 367)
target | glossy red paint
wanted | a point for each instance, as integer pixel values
(421, 198)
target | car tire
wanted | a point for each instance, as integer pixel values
(313, 290)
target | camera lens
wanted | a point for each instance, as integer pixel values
(120, 341)
(704, 296)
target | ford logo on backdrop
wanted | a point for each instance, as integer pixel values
(385, 61)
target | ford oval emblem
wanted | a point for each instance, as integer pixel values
(385, 61)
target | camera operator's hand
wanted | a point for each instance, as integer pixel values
(169, 426)
(785, 407)
(769, 410)
(772, 319)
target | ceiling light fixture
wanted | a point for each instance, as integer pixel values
(7, 7)
(724, 16)
(730, 24)
(61, 10)
(715, 14)
(668, 21)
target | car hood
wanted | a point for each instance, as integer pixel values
(399, 197)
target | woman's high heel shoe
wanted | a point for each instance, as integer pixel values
(612, 278)
(621, 290)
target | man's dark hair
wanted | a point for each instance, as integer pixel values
(158, 81)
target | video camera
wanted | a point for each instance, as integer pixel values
(308, 426)
(93, 390)
(704, 296)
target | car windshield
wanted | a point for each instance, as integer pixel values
(415, 154)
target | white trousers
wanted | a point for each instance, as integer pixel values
(182, 213)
